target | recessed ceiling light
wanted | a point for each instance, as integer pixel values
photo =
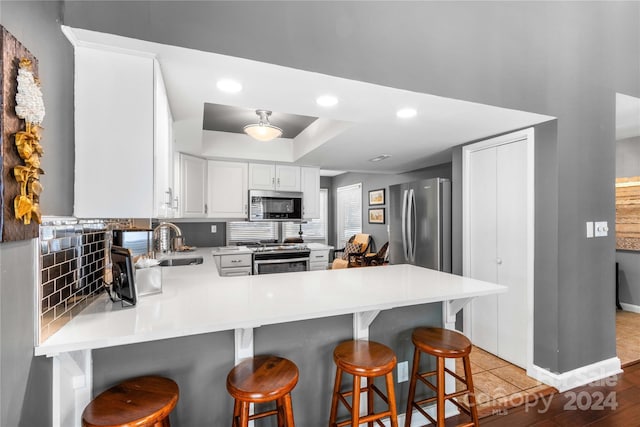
(380, 157)
(229, 86)
(406, 113)
(327, 101)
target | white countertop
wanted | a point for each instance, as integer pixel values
(196, 300)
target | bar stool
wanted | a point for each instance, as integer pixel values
(143, 402)
(441, 343)
(363, 359)
(262, 379)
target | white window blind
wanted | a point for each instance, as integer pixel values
(242, 231)
(315, 229)
(348, 213)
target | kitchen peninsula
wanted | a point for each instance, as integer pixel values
(196, 300)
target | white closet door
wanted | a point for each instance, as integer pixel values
(482, 244)
(512, 251)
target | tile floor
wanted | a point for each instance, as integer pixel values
(499, 384)
(628, 337)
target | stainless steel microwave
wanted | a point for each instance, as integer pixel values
(275, 205)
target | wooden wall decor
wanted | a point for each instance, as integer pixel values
(628, 213)
(12, 52)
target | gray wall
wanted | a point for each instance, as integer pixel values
(628, 164)
(25, 381)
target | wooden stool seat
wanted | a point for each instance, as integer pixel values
(367, 359)
(141, 402)
(443, 344)
(262, 379)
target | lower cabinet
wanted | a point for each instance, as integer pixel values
(319, 259)
(234, 264)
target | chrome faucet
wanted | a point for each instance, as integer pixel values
(161, 237)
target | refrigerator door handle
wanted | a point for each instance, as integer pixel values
(411, 229)
(405, 199)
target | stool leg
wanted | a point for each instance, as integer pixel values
(244, 414)
(441, 390)
(412, 387)
(280, 409)
(472, 392)
(334, 398)
(370, 404)
(391, 396)
(288, 411)
(355, 402)
(236, 413)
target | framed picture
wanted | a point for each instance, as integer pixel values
(376, 216)
(376, 197)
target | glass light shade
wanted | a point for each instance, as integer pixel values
(263, 131)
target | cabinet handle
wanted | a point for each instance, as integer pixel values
(206, 208)
(273, 181)
(278, 182)
(498, 261)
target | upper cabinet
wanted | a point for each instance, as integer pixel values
(122, 135)
(227, 189)
(192, 199)
(274, 177)
(310, 184)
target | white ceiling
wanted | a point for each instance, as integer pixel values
(627, 116)
(363, 124)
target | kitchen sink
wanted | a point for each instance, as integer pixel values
(173, 262)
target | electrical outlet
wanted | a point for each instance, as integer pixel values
(214, 228)
(403, 371)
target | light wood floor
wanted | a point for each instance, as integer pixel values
(628, 337)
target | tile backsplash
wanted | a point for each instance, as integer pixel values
(72, 262)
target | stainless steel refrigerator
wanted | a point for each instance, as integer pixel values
(420, 223)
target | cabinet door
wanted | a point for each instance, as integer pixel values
(482, 245)
(287, 178)
(310, 184)
(227, 188)
(262, 176)
(511, 215)
(113, 134)
(163, 149)
(193, 175)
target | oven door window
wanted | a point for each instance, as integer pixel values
(281, 267)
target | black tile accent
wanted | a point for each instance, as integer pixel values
(47, 289)
(47, 261)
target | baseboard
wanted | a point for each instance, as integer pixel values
(630, 307)
(417, 420)
(577, 377)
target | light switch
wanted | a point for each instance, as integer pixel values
(589, 229)
(403, 371)
(601, 229)
(214, 228)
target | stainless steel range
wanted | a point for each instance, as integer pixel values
(280, 258)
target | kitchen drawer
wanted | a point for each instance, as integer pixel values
(319, 256)
(239, 260)
(235, 271)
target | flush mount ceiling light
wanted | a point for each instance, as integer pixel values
(406, 113)
(263, 130)
(327, 101)
(380, 157)
(229, 86)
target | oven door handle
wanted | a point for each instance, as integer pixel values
(279, 260)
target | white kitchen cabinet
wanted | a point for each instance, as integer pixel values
(233, 264)
(192, 199)
(227, 189)
(163, 152)
(264, 176)
(318, 259)
(114, 134)
(497, 214)
(310, 185)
